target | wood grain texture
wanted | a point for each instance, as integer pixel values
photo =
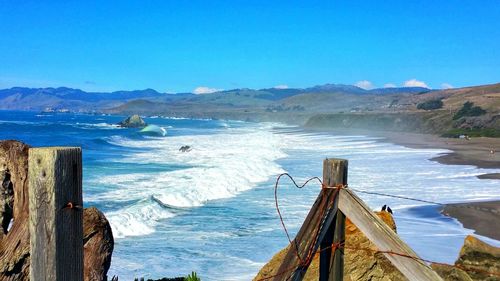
(322, 213)
(317, 229)
(334, 173)
(384, 238)
(55, 178)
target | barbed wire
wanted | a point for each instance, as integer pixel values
(342, 245)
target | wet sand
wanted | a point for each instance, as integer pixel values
(480, 152)
(483, 217)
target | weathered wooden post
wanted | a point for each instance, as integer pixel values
(334, 174)
(385, 239)
(56, 214)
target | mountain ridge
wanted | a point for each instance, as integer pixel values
(26, 98)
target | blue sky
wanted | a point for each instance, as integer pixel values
(178, 46)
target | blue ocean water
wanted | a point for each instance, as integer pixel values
(211, 210)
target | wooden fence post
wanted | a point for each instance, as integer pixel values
(56, 213)
(334, 173)
(384, 238)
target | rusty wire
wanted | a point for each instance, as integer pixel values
(311, 253)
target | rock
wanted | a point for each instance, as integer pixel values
(14, 204)
(98, 244)
(14, 244)
(363, 265)
(185, 148)
(450, 273)
(479, 259)
(134, 121)
(358, 265)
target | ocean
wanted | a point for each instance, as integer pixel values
(212, 210)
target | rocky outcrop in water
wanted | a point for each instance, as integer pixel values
(14, 210)
(134, 121)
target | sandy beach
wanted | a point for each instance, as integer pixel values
(483, 217)
(480, 152)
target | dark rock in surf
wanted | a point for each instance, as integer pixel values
(185, 148)
(134, 121)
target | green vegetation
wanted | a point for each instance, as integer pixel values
(163, 279)
(430, 105)
(192, 277)
(483, 132)
(282, 108)
(468, 109)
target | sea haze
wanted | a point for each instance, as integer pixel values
(212, 210)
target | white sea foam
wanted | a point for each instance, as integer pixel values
(222, 165)
(232, 160)
(138, 219)
(98, 125)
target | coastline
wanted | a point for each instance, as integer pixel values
(474, 152)
(482, 217)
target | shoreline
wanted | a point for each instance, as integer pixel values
(482, 217)
(474, 152)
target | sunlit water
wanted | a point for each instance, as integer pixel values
(211, 210)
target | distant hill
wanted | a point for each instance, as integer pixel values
(317, 99)
(326, 105)
(403, 113)
(19, 98)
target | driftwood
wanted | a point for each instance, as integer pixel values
(14, 211)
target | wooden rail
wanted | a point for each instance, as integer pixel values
(384, 238)
(327, 217)
(56, 224)
(56, 214)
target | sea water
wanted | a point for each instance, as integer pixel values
(212, 210)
